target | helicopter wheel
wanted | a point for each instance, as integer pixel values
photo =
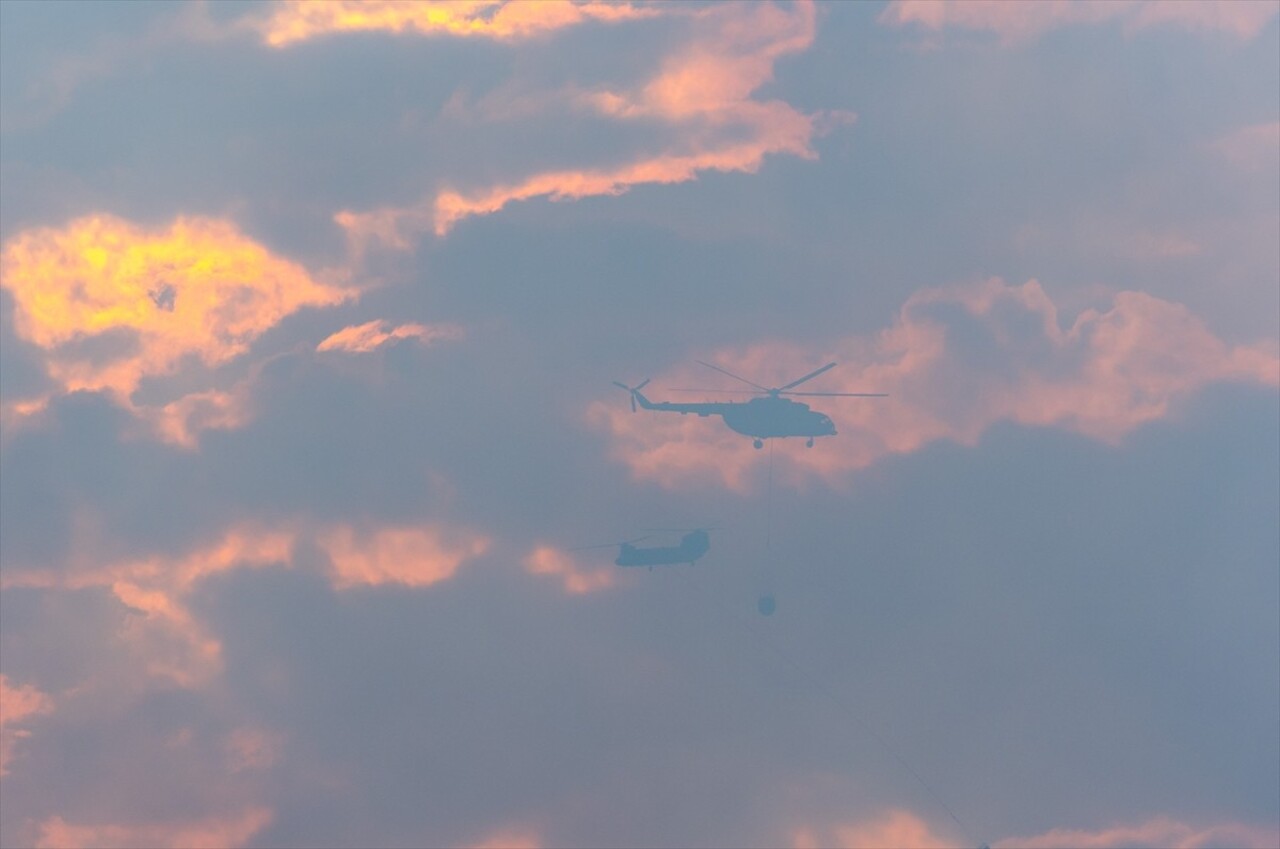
(809, 444)
(759, 443)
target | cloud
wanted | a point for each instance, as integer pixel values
(574, 577)
(110, 303)
(293, 21)
(1252, 148)
(362, 338)
(168, 642)
(17, 704)
(1161, 831)
(895, 828)
(701, 100)
(212, 833)
(414, 557)
(1018, 23)
(956, 362)
(508, 838)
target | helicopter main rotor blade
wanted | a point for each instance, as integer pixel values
(721, 391)
(682, 530)
(810, 376)
(843, 394)
(734, 376)
(608, 544)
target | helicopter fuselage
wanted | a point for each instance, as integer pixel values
(691, 547)
(761, 418)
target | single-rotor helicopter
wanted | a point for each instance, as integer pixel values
(761, 418)
(693, 545)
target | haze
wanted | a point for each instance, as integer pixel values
(310, 320)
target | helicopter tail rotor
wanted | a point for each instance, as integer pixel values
(632, 390)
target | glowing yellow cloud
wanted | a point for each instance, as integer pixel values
(575, 578)
(1109, 373)
(199, 289)
(362, 338)
(299, 20)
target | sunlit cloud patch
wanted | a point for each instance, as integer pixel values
(410, 556)
(218, 832)
(170, 643)
(110, 303)
(18, 704)
(293, 21)
(702, 99)
(955, 362)
(894, 828)
(363, 338)
(574, 577)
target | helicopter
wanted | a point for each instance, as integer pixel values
(760, 418)
(693, 545)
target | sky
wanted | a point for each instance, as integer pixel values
(310, 315)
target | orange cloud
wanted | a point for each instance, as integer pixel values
(212, 833)
(956, 362)
(509, 839)
(575, 578)
(702, 95)
(111, 303)
(1161, 831)
(895, 828)
(415, 557)
(298, 20)
(166, 641)
(1017, 23)
(362, 338)
(164, 638)
(16, 705)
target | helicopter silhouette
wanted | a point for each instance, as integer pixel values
(693, 545)
(761, 418)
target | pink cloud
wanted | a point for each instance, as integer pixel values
(574, 577)
(702, 95)
(412, 556)
(955, 362)
(166, 641)
(508, 838)
(1252, 148)
(17, 704)
(362, 338)
(1017, 23)
(1161, 831)
(223, 832)
(894, 828)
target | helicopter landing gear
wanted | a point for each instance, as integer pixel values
(809, 444)
(759, 443)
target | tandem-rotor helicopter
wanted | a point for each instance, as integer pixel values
(761, 418)
(695, 543)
